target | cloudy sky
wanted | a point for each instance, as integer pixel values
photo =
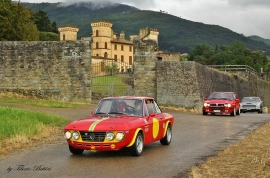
(247, 17)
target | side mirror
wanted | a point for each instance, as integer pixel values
(205, 99)
(92, 112)
(152, 114)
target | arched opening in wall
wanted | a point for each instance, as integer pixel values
(105, 45)
(97, 33)
(64, 37)
(97, 45)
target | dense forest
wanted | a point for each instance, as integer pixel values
(18, 23)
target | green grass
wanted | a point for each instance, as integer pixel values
(109, 84)
(15, 121)
(43, 103)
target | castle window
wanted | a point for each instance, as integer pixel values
(97, 33)
(122, 58)
(64, 37)
(130, 48)
(115, 58)
(97, 45)
(122, 47)
(115, 47)
(105, 45)
(130, 60)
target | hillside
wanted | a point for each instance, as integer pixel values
(257, 38)
(176, 34)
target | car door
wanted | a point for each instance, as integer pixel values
(155, 120)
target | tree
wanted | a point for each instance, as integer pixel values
(41, 19)
(54, 28)
(15, 23)
(111, 69)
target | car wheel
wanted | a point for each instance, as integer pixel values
(137, 148)
(260, 112)
(75, 150)
(204, 113)
(238, 112)
(168, 137)
(233, 113)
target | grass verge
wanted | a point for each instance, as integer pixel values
(20, 128)
(16, 98)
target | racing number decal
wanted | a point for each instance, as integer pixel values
(155, 128)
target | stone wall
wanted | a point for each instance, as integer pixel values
(62, 71)
(185, 84)
(49, 70)
(145, 59)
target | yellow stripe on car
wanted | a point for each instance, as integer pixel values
(92, 126)
(165, 129)
(134, 137)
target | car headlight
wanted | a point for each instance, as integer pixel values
(227, 105)
(110, 136)
(120, 136)
(258, 104)
(206, 104)
(67, 135)
(75, 135)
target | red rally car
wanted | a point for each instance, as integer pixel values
(222, 103)
(120, 122)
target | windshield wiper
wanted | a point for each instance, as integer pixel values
(118, 113)
(101, 113)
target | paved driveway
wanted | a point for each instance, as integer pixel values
(195, 137)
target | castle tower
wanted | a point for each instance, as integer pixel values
(102, 34)
(122, 35)
(68, 33)
(149, 34)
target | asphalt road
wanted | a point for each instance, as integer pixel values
(195, 138)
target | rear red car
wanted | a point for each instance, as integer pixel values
(222, 103)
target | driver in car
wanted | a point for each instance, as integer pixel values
(138, 107)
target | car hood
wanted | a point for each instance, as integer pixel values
(248, 103)
(217, 101)
(97, 123)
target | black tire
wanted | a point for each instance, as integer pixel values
(204, 113)
(168, 136)
(233, 113)
(137, 148)
(75, 150)
(260, 111)
(238, 112)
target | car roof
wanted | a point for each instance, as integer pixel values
(251, 97)
(222, 92)
(129, 97)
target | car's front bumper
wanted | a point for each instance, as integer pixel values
(218, 110)
(98, 146)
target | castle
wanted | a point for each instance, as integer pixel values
(106, 44)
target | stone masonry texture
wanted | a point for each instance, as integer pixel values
(62, 71)
(48, 70)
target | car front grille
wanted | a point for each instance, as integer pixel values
(249, 106)
(217, 105)
(93, 136)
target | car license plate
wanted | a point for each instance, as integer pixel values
(216, 110)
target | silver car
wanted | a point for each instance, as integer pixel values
(251, 104)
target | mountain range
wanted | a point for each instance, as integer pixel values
(175, 33)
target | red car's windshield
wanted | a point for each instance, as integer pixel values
(120, 106)
(223, 96)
